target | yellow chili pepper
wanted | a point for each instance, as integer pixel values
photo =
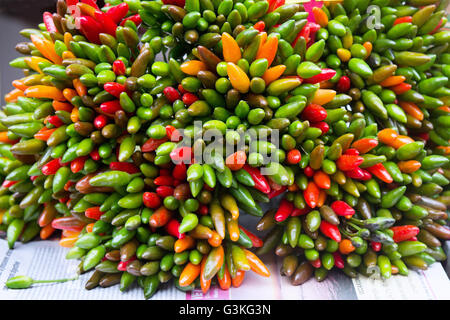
(238, 78)
(344, 54)
(33, 62)
(229, 203)
(193, 67)
(323, 96)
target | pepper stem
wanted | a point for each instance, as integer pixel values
(55, 281)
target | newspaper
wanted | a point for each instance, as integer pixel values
(46, 260)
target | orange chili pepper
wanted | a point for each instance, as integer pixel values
(346, 246)
(69, 93)
(293, 188)
(268, 49)
(64, 106)
(67, 38)
(273, 73)
(412, 109)
(74, 116)
(46, 231)
(204, 284)
(392, 81)
(401, 141)
(238, 279)
(320, 17)
(231, 50)
(4, 138)
(394, 269)
(365, 145)
(326, 85)
(189, 274)
(409, 166)
(193, 67)
(46, 92)
(47, 215)
(225, 282)
(90, 227)
(18, 84)
(68, 55)
(387, 136)
(368, 46)
(80, 88)
(183, 244)
(236, 161)
(44, 134)
(215, 240)
(238, 78)
(445, 149)
(322, 180)
(47, 48)
(311, 194)
(323, 96)
(233, 227)
(160, 217)
(256, 265)
(68, 242)
(322, 198)
(13, 95)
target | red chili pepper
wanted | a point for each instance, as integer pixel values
(413, 238)
(300, 212)
(358, 174)
(117, 13)
(405, 19)
(343, 84)
(94, 155)
(171, 94)
(93, 213)
(90, 28)
(294, 156)
(64, 200)
(122, 266)
(260, 26)
(341, 208)
(203, 209)
(55, 120)
(338, 261)
(324, 75)
(92, 3)
(127, 167)
(276, 192)
(261, 182)
(183, 154)
(110, 107)
(49, 23)
(304, 33)
(309, 172)
(151, 200)
(179, 172)
(311, 194)
(69, 184)
(257, 242)
(348, 162)
(284, 210)
(275, 4)
(179, 3)
(164, 191)
(189, 98)
(51, 167)
(163, 181)
(100, 121)
(323, 126)
(376, 246)
(8, 183)
(330, 230)
(181, 89)
(314, 113)
(114, 88)
(352, 152)
(380, 172)
(401, 88)
(316, 263)
(108, 24)
(406, 232)
(119, 67)
(152, 144)
(172, 228)
(68, 223)
(78, 164)
(437, 27)
(313, 26)
(135, 18)
(71, 2)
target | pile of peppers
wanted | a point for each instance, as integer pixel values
(99, 141)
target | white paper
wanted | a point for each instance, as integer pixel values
(46, 260)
